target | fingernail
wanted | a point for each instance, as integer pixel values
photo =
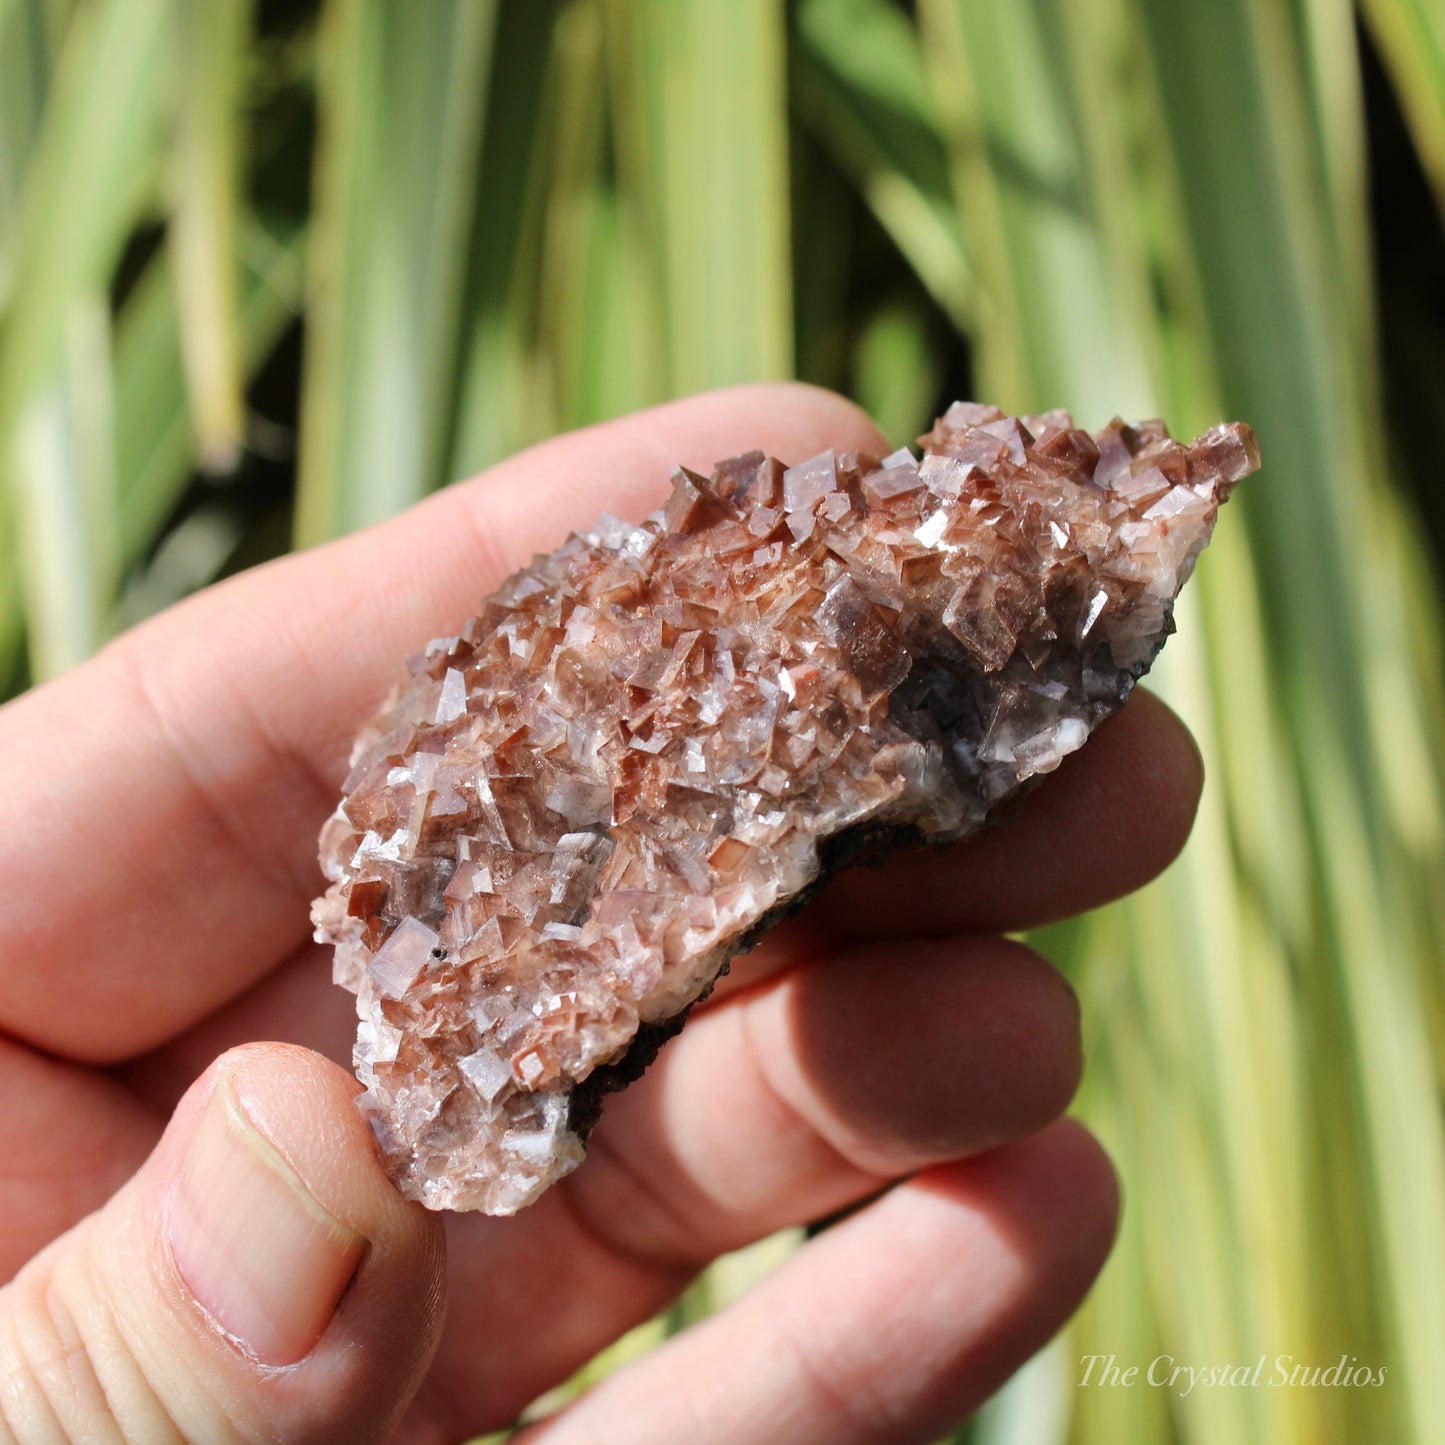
(263, 1259)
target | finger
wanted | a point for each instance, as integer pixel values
(804, 1095)
(259, 1277)
(1114, 816)
(808, 1095)
(894, 1325)
(864, 1065)
(813, 1092)
(196, 759)
(296, 1003)
(69, 1138)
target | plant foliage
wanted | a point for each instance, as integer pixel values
(476, 223)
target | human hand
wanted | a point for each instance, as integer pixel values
(224, 1259)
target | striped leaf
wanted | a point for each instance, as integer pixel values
(402, 97)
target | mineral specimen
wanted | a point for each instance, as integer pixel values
(652, 743)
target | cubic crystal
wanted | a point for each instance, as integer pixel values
(656, 741)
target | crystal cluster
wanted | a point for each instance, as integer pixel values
(654, 742)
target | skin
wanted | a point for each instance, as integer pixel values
(888, 1049)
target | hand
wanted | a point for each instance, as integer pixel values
(224, 1259)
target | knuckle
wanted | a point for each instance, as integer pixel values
(66, 1370)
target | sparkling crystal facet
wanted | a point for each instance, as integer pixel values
(559, 830)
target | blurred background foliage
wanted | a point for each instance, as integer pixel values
(271, 271)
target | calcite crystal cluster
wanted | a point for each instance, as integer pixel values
(650, 744)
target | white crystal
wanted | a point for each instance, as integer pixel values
(402, 957)
(487, 1072)
(452, 703)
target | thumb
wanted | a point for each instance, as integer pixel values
(259, 1277)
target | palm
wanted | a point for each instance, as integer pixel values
(160, 887)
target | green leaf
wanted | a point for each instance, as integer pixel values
(896, 370)
(25, 63)
(90, 175)
(1164, 204)
(1062, 288)
(863, 88)
(1411, 37)
(210, 56)
(601, 311)
(155, 436)
(505, 399)
(703, 155)
(64, 488)
(1342, 586)
(401, 94)
(89, 170)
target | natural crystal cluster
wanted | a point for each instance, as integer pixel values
(650, 744)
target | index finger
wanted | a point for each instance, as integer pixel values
(171, 789)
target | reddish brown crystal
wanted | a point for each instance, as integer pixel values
(578, 809)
